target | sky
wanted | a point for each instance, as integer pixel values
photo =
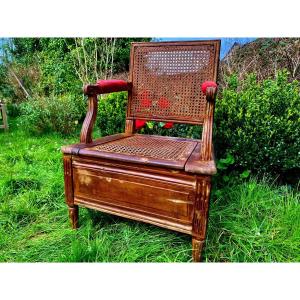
(226, 43)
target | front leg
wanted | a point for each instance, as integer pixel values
(69, 192)
(201, 205)
(73, 214)
(197, 247)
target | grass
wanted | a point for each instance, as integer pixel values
(252, 222)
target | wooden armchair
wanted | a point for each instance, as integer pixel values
(164, 181)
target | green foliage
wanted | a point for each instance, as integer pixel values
(178, 130)
(5, 89)
(56, 66)
(57, 71)
(254, 221)
(259, 124)
(224, 163)
(111, 113)
(13, 109)
(227, 173)
(52, 114)
(122, 53)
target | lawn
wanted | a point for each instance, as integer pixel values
(254, 221)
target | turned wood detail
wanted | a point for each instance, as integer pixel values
(201, 206)
(73, 214)
(206, 150)
(129, 128)
(89, 121)
(197, 247)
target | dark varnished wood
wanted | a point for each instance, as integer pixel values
(169, 193)
(159, 197)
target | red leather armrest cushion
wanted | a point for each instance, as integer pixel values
(112, 85)
(207, 84)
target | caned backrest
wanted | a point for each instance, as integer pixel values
(166, 80)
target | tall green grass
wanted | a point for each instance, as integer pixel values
(252, 222)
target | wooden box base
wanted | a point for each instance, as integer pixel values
(172, 199)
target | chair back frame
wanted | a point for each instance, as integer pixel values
(166, 79)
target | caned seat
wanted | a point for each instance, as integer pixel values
(146, 149)
(160, 180)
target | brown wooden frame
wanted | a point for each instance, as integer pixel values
(161, 193)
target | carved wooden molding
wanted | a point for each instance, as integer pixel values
(68, 176)
(201, 207)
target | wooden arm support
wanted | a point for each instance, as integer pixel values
(92, 90)
(206, 149)
(89, 121)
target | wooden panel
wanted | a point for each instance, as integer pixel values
(135, 191)
(136, 215)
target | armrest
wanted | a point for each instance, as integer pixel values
(106, 86)
(92, 90)
(197, 166)
(209, 88)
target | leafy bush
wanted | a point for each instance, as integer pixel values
(178, 130)
(259, 124)
(52, 114)
(111, 113)
(13, 109)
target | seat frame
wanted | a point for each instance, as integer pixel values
(176, 199)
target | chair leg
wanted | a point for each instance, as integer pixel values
(197, 247)
(73, 214)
